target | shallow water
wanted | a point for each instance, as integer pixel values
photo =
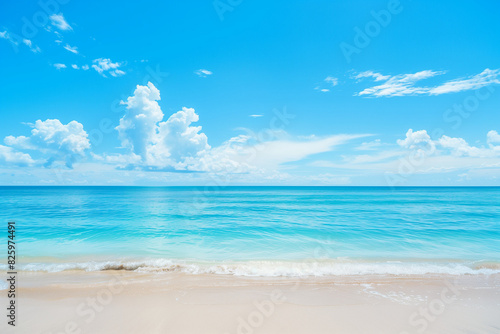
(257, 230)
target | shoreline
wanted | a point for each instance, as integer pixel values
(264, 268)
(130, 302)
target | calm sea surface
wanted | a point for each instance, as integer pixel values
(256, 230)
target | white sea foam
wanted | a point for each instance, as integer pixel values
(271, 268)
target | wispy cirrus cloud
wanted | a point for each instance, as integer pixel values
(58, 21)
(486, 77)
(405, 84)
(30, 44)
(202, 73)
(72, 49)
(330, 82)
(397, 85)
(15, 41)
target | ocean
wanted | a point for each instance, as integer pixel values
(256, 231)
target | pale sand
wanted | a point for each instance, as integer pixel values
(130, 302)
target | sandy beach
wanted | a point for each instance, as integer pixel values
(117, 301)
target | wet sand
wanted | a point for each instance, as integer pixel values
(133, 302)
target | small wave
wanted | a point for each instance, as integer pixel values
(273, 268)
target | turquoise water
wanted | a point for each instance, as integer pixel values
(257, 230)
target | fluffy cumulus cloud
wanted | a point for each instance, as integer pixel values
(405, 84)
(418, 140)
(138, 127)
(9, 156)
(493, 138)
(159, 144)
(189, 142)
(178, 145)
(105, 66)
(56, 141)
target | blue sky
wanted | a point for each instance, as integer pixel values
(323, 93)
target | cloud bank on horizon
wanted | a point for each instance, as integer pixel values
(152, 143)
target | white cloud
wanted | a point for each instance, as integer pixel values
(59, 66)
(404, 84)
(72, 49)
(105, 65)
(117, 73)
(180, 139)
(58, 21)
(368, 146)
(85, 67)
(487, 77)
(157, 143)
(256, 115)
(75, 66)
(56, 140)
(32, 47)
(418, 140)
(138, 127)
(175, 144)
(418, 153)
(16, 40)
(459, 147)
(5, 35)
(367, 158)
(331, 80)
(9, 156)
(203, 73)
(271, 154)
(399, 85)
(370, 74)
(493, 137)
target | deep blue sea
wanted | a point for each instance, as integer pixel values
(262, 231)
